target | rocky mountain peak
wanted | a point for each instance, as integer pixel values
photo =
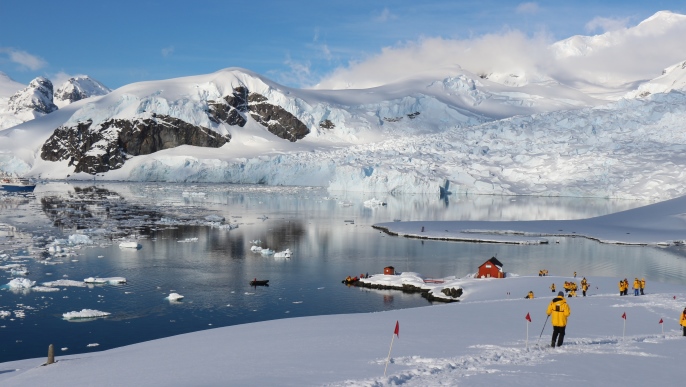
(78, 88)
(35, 98)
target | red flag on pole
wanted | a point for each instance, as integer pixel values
(528, 317)
(661, 321)
(624, 315)
(397, 329)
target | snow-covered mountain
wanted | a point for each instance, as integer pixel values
(36, 98)
(20, 104)
(78, 88)
(497, 133)
(672, 78)
(33, 101)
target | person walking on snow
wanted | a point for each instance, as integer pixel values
(682, 321)
(559, 310)
(552, 287)
(643, 285)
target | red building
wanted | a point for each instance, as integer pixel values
(389, 270)
(491, 269)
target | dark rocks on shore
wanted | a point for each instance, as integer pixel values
(454, 293)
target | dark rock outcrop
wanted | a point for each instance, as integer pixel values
(327, 124)
(232, 109)
(107, 146)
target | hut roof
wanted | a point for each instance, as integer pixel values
(494, 261)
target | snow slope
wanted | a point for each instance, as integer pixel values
(481, 341)
(659, 224)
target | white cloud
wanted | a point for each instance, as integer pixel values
(385, 16)
(23, 58)
(612, 59)
(507, 52)
(167, 51)
(605, 24)
(530, 8)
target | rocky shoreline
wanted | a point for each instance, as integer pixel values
(452, 293)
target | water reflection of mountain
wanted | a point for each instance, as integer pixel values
(98, 208)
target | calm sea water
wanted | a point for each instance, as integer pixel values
(329, 234)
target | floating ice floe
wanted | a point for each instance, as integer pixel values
(84, 313)
(92, 345)
(267, 252)
(187, 240)
(255, 241)
(80, 239)
(45, 289)
(255, 249)
(4, 313)
(21, 283)
(108, 280)
(283, 254)
(64, 282)
(373, 203)
(174, 297)
(129, 245)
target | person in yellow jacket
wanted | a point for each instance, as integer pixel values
(530, 295)
(682, 321)
(637, 286)
(552, 287)
(584, 288)
(559, 311)
(643, 285)
(621, 287)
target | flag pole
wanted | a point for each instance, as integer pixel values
(528, 320)
(624, 329)
(395, 332)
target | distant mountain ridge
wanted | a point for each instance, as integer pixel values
(39, 98)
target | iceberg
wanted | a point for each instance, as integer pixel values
(84, 313)
(283, 254)
(129, 245)
(21, 283)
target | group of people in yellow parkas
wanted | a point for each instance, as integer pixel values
(542, 273)
(559, 310)
(638, 286)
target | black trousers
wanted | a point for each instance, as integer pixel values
(558, 335)
(684, 331)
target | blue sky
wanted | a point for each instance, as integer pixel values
(296, 43)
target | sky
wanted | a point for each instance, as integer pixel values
(298, 44)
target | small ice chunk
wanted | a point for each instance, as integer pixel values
(174, 297)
